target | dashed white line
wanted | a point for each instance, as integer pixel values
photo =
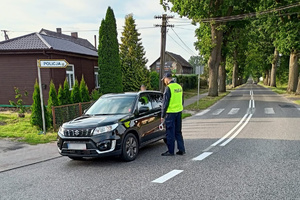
(269, 111)
(233, 111)
(203, 112)
(167, 176)
(218, 111)
(202, 156)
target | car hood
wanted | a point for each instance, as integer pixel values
(85, 122)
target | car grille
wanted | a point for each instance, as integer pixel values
(78, 132)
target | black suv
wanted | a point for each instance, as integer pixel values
(116, 124)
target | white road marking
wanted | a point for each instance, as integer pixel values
(237, 132)
(269, 111)
(167, 176)
(249, 103)
(203, 112)
(218, 111)
(231, 131)
(233, 111)
(253, 104)
(203, 156)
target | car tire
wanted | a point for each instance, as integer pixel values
(130, 148)
(76, 158)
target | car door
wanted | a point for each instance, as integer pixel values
(145, 121)
(156, 102)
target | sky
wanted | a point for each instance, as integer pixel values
(22, 17)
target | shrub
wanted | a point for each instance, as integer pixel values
(52, 100)
(67, 95)
(60, 96)
(95, 95)
(75, 94)
(19, 104)
(84, 91)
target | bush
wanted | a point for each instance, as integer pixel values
(52, 100)
(84, 91)
(95, 95)
(36, 115)
(75, 94)
(188, 81)
(19, 104)
(60, 96)
(67, 95)
(154, 80)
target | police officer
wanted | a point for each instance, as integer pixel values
(171, 115)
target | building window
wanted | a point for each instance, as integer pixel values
(96, 77)
(70, 75)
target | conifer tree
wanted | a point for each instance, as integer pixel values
(36, 115)
(75, 94)
(52, 100)
(67, 95)
(110, 74)
(84, 91)
(132, 55)
(60, 96)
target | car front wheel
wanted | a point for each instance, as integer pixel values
(130, 148)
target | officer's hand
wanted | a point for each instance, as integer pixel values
(162, 120)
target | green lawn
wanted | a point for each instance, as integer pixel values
(205, 102)
(185, 115)
(11, 126)
(193, 92)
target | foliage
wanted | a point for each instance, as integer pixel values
(36, 114)
(52, 100)
(84, 91)
(22, 130)
(132, 55)
(95, 95)
(196, 61)
(75, 94)
(187, 81)
(67, 95)
(154, 80)
(60, 96)
(110, 74)
(19, 104)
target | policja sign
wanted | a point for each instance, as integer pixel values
(48, 63)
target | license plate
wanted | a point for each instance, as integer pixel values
(76, 146)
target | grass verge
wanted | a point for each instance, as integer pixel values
(185, 115)
(193, 92)
(205, 102)
(20, 129)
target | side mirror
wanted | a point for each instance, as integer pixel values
(143, 109)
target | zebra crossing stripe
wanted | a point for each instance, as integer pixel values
(203, 112)
(218, 111)
(233, 111)
(269, 111)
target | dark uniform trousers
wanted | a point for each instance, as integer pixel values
(173, 132)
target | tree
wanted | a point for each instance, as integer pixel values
(132, 55)
(36, 115)
(75, 94)
(196, 61)
(52, 100)
(154, 80)
(213, 30)
(19, 103)
(110, 74)
(84, 91)
(67, 95)
(60, 96)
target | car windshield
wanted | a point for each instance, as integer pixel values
(112, 105)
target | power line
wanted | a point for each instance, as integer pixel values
(254, 14)
(180, 45)
(183, 42)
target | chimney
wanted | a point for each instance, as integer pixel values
(74, 34)
(58, 30)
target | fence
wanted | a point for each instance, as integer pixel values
(62, 114)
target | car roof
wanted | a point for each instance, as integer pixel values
(130, 93)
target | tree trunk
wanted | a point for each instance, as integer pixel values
(273, 70)
(214, 59)
(269, 77)
(293, 72)
(235, 70)
(266, 79)
(222, 74)
(298, 87)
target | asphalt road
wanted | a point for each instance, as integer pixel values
(244, 147)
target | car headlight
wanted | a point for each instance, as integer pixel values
(61, 130)
(104, 129)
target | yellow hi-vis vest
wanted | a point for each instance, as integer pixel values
(175, 104)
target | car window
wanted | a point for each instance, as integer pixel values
(144, 101)
(112, 105)
(156, 100)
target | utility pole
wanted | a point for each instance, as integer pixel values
(163, 26)
(5, 35)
